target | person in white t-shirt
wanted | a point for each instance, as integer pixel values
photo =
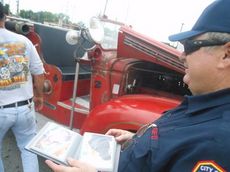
(21, 83)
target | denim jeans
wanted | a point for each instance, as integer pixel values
(23, 124)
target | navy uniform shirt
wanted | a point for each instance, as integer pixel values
(194, 137)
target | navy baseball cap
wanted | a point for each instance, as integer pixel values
(215, 18)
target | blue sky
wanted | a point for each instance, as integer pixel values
(155, 18)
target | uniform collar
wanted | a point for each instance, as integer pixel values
(201, 102)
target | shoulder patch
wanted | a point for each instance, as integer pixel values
(207, 166)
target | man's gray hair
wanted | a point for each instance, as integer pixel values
(218, 36)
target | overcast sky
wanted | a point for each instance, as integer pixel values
(155, 18)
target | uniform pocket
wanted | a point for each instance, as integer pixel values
(137, 157)
(146, 144)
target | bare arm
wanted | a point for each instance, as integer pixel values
(38, 81)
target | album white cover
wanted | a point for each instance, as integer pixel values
(57, 143)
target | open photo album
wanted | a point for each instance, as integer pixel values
(57, 143)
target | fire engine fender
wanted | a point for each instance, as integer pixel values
(127, 112)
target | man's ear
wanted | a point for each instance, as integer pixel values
(227, 49)
(225, 58)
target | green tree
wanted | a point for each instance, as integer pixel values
(7, 9)
(45, 16)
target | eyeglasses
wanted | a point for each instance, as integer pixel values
(138, 134)
(191, 46)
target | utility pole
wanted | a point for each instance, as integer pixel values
(181, 28)
(17, 1)
(106, 3)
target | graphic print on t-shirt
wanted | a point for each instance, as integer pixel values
(14, 64)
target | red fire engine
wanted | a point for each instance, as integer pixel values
(122, 81)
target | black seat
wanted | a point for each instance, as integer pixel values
(68, 73)
(57, 51)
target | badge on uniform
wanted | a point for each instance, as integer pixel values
(207, 166)
(154, 135)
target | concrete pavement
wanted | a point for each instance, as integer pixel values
(11, 154)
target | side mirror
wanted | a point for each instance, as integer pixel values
(96, 30)
(72, 37)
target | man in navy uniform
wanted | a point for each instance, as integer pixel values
(195, 136)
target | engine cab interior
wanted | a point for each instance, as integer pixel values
(150, 78)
